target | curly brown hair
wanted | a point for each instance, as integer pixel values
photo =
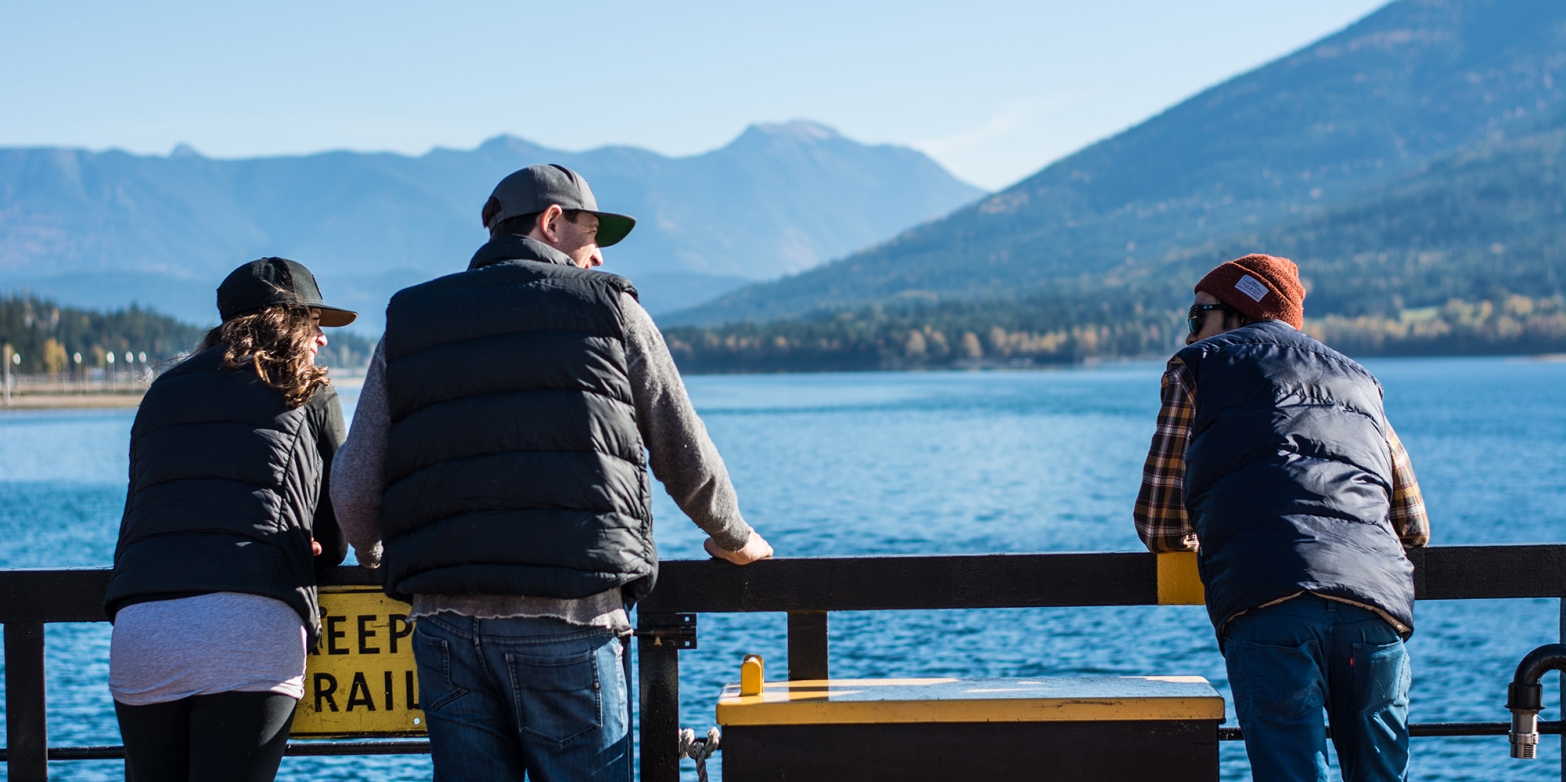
(276, 342)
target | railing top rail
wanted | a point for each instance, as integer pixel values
(892, 582)
(1039, 580)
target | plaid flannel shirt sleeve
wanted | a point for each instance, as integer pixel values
(1160, 505)
(1408, 505)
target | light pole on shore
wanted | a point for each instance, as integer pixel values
(7, 359)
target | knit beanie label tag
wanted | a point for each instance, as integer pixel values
(1251, 287)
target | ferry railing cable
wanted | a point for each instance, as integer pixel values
(807, 590)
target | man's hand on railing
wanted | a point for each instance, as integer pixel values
(368, 558)
(755, 548)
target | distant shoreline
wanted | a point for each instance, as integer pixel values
(121, 398)
(1025, 365)
(74, 401)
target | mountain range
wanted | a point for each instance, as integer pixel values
(1379, 150)
(104, 229)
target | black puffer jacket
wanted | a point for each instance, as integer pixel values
(226, 491)
(514, 462)
(1289, 475)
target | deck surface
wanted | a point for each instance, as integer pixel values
(1038, 699)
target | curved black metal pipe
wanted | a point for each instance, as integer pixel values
(1524, 696)
(1537, 663)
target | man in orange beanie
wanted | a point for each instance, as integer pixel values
(1284, 475)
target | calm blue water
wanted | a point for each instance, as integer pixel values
(918, 463)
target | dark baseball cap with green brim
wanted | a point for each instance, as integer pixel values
(266, 282)
(536, 188)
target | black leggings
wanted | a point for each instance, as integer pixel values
(236, 736)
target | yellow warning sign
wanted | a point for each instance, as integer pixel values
(360, 680)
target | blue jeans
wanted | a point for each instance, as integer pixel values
(508, 697)
(1289, 661)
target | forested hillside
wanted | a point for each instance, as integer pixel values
(1485, 223)
(1463, 255)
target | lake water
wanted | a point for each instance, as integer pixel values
(923, 463)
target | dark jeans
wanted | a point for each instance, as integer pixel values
(1290, 661)
(508, 697)
(226, 737)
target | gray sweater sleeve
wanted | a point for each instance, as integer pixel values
(359, 468)
(683, 456)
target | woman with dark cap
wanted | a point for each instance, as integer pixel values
(227, 516)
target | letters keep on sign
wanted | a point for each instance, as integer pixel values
(360, 680)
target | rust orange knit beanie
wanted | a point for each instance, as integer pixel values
(1260, 287)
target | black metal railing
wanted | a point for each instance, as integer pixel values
(807, 590)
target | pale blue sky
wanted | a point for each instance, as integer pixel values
(992, 90)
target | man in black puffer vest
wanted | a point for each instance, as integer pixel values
(1273, 459)
(499, 452)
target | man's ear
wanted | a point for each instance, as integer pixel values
(548, 225)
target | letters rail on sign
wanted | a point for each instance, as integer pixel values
(360, 680)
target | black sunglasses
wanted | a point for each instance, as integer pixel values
(1198, 313)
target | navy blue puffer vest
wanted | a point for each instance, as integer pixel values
(514, 463)
(1289, 476)
(224, 483)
